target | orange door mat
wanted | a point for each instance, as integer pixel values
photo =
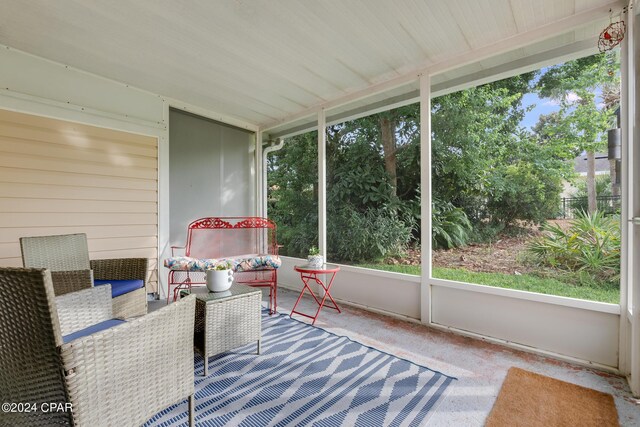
(529, 399)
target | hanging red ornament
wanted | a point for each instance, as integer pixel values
(611, 36)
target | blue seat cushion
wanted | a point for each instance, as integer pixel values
(120, 287)
(92, 329)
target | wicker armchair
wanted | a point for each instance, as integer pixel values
(108, 377)
(133, 303)
(67, 256)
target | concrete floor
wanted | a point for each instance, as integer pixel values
(479, 366)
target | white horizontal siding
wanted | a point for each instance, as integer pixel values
(58, 177)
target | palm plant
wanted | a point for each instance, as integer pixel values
(450, 225)
(591, 246)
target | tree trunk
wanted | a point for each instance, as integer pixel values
(613, 174)
(388, 136)
(591, 181)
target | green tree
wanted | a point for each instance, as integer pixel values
(472, 132)
(525, 191)
(486, 164)
(485, 169)
(292, 180)
(582, 123)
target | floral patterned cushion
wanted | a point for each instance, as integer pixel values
(244, 263)
(185, 263)
(256, 262)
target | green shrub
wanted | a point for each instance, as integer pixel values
(590, 247)
(603, 186)
(297, 239)
(523, 191)
(486, 231)
(356, 236)
(450, 225)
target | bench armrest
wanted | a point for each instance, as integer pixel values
(173, 249)
(81, 309)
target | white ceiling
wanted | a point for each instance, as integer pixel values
(263, 61)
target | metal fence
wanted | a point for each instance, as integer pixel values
(573, 205)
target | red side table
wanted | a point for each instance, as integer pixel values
(308, 273)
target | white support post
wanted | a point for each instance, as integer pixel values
(631, 90)
(629, 347)
(322, 183)
(626, 227)
(164, 211)
(425, 198)
(260, 185)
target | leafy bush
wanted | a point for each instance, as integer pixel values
(296, 238)
(590, 247)
(486, 231)
(292, 194)
(357, 177)
(357, 236)
(526, 192)
(603, 186)
(450, 225)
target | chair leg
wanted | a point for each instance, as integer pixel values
(275, 290)
(270, 300)
(192, 411)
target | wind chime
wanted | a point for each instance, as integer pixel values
(611, 36)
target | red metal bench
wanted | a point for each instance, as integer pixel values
(249, 244)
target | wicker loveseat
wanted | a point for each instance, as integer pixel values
(108, 377)
(67, 256)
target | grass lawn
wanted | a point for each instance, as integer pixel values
(524, 282)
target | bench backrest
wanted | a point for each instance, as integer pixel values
(223, 237)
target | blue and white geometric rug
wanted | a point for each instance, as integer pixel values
(308, 376)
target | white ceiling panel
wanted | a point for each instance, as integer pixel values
(264, 61)
(481, 22)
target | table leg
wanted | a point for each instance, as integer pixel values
(205, 355)
(328, 294)
(305, 287)
(305, 280)
(324, 298)
(192, 410)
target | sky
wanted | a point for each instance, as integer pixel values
(546, 106)
(542, 106)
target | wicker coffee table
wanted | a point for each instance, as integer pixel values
(226, 320)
